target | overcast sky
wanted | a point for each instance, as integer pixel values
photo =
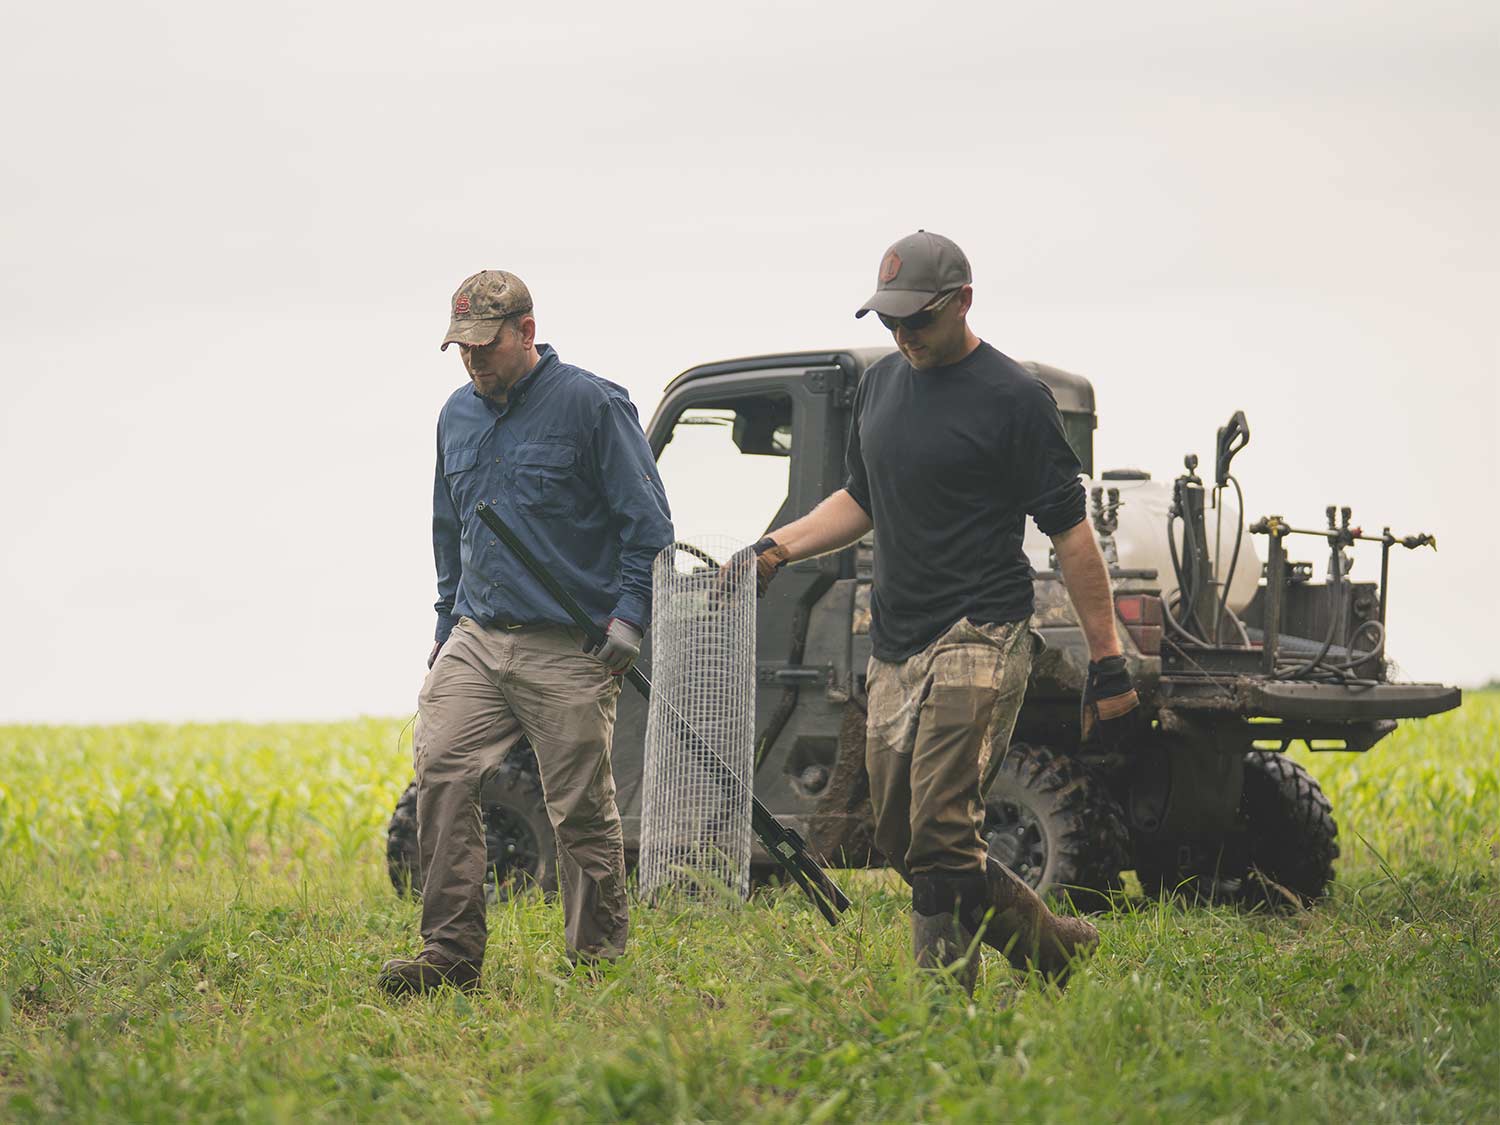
(230, 234)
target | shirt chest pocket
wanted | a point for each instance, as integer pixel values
(457, 461)
(544, 478)
(458, 471)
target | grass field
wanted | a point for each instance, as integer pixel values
(193, 917)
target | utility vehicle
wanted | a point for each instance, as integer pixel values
(1235, 662)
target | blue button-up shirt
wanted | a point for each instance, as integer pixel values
(564, 463)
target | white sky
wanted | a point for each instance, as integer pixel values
(230, 234)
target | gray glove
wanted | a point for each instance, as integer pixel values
(622, 644)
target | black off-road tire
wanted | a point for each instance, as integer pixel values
(1281, 858)
(520, 850)
(1056, 826)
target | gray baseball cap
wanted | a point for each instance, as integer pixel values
(482, 304)
(914, 271)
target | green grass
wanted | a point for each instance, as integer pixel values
(191, 919)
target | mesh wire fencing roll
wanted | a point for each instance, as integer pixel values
(695, 804)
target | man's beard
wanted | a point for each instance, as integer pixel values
(496, 390)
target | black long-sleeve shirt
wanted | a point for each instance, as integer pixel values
(948, 462)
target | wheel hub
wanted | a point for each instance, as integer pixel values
(515, 855)
(1014, 837)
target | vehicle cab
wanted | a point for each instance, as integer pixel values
(748, 445)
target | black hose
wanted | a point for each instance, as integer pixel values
(1335, 587)
(1356, 657)
(1166, 605)
(1166, 611)
(1337, 672)
(1184, 586)
(1188, 592)
(1234, 559)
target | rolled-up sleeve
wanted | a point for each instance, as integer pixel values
(857, 482)
(637, 502)
(1045, 463)
(446, 548)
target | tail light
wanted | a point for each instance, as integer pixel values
(1141, 616)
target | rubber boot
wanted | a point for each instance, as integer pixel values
(940, 942)
(1029, 934)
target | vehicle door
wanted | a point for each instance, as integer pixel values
(740, 453)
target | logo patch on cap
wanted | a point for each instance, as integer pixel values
(890, 267)
(460, 306)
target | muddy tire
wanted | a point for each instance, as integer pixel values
(1282, 856)
(519, 845)
(1055, 825)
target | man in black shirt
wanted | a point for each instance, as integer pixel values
(953, 445)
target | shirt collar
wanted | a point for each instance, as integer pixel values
(546, 362)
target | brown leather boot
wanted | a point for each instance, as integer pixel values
(1028, 932)
(427, 971)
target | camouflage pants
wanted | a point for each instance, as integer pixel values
(488, 688)
(934, 720)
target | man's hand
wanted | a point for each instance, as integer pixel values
(437, 647)
(770, 557)
(621, 647)
(1111, 709)
(837, 522)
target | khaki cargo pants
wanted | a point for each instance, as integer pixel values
(934, 720)
(488, 687)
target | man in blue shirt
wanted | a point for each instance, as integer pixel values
(560, 455)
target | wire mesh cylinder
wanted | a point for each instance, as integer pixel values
(695, 804)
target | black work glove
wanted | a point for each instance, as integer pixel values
(621, 646)
(1111, 710)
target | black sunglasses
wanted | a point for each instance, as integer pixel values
(918, 320)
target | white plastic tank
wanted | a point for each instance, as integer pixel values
(1141, 538)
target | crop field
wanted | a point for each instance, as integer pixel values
(192, 918)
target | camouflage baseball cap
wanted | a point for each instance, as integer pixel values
(914, 271)
(482, 303)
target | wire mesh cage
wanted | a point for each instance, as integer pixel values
(695, 805)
